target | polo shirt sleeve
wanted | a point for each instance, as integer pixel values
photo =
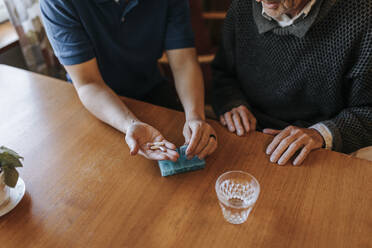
(66, 34)
(179, 32)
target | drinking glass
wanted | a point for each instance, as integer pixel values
(237, 192)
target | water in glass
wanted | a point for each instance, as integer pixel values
(237, 193)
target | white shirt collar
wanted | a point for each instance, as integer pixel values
(285, 21)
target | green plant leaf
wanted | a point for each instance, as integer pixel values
(4, 149)
(11, 177)
(9, 160)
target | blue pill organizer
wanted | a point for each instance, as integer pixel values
(182, 165)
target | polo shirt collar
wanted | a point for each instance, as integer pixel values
(299, 28)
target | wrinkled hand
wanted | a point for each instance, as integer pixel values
(200, 137)
(239, 120)
(290, 140)
(138, 137)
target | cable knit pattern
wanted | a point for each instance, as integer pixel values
(323, 77)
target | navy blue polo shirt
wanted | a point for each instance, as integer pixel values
(127, 37)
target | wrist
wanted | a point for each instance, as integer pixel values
(194, 115)
(319, 137)
(128, 123)
(326, 134)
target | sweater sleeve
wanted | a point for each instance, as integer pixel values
(226, 93)
(352, 127)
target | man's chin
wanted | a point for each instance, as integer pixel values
(273, 13)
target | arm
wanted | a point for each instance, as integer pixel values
(98, 98)
(189, 81)
(190, 88)
(102, 102)
(227, 93)
(73, 48)
(351, 129)
(229, 102)
(179, 44)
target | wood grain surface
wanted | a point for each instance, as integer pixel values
(214, 15)
(85, 190)
(8, 36)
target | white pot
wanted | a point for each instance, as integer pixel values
(4, 191)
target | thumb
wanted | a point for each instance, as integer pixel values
(132, 143)
(271, 131)
(187, 134)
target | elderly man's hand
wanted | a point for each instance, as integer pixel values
(239, 120)
(200, 137)
(290, 140)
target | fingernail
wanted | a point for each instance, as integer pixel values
(281, 162)
(272, 159)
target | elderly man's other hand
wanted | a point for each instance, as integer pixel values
(139, 138)
(290, 140)
(200, 137)
(239, 120)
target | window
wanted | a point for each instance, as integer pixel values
(3, 12)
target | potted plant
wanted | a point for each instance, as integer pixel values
(9, 161)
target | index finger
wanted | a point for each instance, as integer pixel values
(172, 155)
(169, 145)
(278, 138)
(223, 121)
(229, 122)
(238, 124)
(153, 155)
(160, 155)
(244, 117)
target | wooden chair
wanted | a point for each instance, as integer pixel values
(214, 15)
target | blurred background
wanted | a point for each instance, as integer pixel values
(23, 41)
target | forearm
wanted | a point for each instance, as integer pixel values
(226, 93)
(226, 97)
(189, 82)
(190, 89)
(351, 129)
(103, 103)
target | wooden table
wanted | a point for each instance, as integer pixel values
(8, 36)
(85, 190)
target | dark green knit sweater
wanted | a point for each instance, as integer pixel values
(317, 70)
